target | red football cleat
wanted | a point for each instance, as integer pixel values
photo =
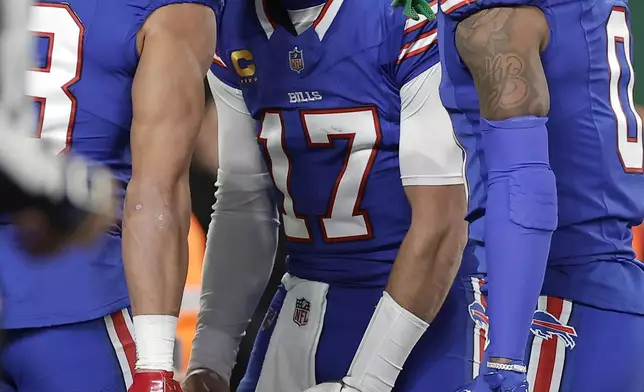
(154, 381)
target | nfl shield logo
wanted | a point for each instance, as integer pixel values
(296, 60)
(301, 313)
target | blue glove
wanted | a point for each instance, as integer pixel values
(497, 381)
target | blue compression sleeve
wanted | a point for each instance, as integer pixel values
(521, 214)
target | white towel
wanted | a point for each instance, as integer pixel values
(289, 365)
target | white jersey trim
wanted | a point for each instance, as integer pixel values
(411, 24)
(429, 154)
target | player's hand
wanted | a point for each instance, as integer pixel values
(204, 380)
(87, 209)
(497, 381)
(39, 234)
(154, 381)
(332, 387)
(414, 8)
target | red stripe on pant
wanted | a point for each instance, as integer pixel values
(548, 354)
(125, 336)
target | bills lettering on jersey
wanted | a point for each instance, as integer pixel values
(304, 96)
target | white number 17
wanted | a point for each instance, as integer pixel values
(344, 220)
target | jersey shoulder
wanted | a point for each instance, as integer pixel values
(461, 9)
(412, 46)
(407, 47)
(237, 22)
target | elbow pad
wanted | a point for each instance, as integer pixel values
(516, 150)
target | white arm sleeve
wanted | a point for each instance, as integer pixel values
(429, 154)
(242, 238)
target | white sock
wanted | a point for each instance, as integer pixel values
(154, 336)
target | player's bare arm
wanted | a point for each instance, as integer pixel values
(501, 47)
(430, 254)
(431, 164)
(430, 167)
(176, 45)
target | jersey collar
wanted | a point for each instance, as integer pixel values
(321, 24)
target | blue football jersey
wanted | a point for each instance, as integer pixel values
(86, 58)
(595, 145)
(327, 106)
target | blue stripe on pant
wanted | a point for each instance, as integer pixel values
(442, 360)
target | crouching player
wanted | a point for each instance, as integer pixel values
(336, 133)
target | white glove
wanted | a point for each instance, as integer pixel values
(332, 387)
(391, 335)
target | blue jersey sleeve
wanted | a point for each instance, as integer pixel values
(413, 47)
(140, 10)
(145, 8)
(224, 70)
(222, 65)
(461, 9)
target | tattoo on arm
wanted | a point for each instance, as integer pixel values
(501, 47)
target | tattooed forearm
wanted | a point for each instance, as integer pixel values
(501, 47)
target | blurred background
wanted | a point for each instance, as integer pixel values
(203, 190)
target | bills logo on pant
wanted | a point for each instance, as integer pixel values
(477, 314)
(269, 318)
(547, 326)
(301, 312)
(296, 60)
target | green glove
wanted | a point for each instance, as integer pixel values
(412, 8)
